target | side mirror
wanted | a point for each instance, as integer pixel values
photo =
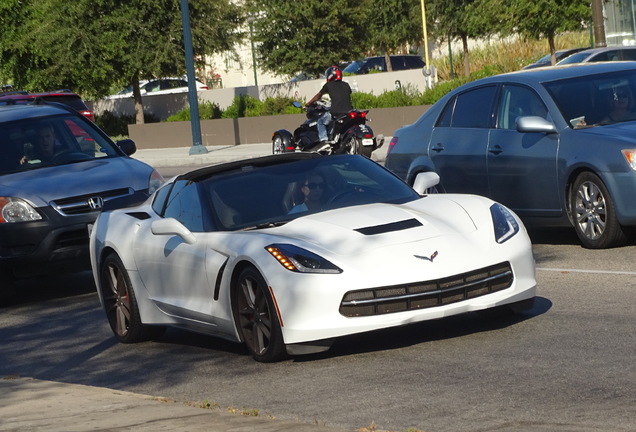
(128, 146)
(171, 226)
(535, 124)
(297, 104)
(425, 181)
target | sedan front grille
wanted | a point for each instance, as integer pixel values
(427, 294)
(87, 203)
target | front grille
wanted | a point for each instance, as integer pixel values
(82, 204)
(427, 294)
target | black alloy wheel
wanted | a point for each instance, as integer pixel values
(256, 317)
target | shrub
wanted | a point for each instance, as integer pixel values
(207, 111)
(278, 105)
(244, 106)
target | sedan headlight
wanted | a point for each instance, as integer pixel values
(300, 260)
(504, 223)
(630, 155)
(17, 210)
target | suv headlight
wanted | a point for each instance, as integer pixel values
(504, 223)
(630, 155)
(17, 210)
(301, 260)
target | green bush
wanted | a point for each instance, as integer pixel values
(363, 100)
(112, 124)
(207, 111)
(279, 105)
(244, 106)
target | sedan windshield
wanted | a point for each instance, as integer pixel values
(35, 143)
(596, 99)
(256, 197)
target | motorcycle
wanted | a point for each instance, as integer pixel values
(347, 133)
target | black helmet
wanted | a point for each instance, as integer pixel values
(333, 73)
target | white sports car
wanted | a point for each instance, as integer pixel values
(287, 252)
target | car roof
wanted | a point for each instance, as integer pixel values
(12, 112)
(203, 173)
(540, 75)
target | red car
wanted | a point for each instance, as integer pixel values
(65, 97)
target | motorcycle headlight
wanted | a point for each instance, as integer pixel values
(504, 223)
(300, 260)
(155, 182)
(17, 210)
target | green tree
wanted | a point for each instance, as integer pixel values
(93, 45)
(294, 36)
(394, 24)
(545, 19)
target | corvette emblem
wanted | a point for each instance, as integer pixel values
(431, 258)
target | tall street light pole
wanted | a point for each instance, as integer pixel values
(195, 122)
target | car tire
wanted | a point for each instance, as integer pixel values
(120, 303)
(278, 146)
(256, 317)
(593, 214)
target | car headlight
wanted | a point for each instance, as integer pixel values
(630, 155)
(155, 182)
(17, 210)
(300, 260)
(504, 223)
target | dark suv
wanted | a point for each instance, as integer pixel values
(57, 172)
(65, 97)
(378, 64)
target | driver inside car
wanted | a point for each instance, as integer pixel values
(46, 145)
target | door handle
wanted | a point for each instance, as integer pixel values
(495, 150)
(438, 147)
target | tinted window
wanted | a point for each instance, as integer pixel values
(518, 101)
(473, 108)
(413, 62)
(629, 54)
(447, 115)
(185, 206)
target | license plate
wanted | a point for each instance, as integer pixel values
(367, 142)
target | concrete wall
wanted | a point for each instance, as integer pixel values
(163, 106)
(251, 130)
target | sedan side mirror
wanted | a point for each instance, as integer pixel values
(127, 145)
(425, 181)
(535, 124)
(171, 226)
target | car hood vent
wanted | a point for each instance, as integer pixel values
(88, 203)
(390, 227)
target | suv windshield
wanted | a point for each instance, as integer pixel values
(32, 144)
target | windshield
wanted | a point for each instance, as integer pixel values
(575, 58)
(267, 196)
(354, 67)
(35, 143)
(596, 99)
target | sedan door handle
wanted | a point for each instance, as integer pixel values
(438, 147)
(495, 150)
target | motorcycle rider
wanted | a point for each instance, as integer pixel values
(340, 93)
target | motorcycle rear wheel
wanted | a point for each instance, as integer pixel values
(354, 146)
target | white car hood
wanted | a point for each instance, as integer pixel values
(344, 231)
